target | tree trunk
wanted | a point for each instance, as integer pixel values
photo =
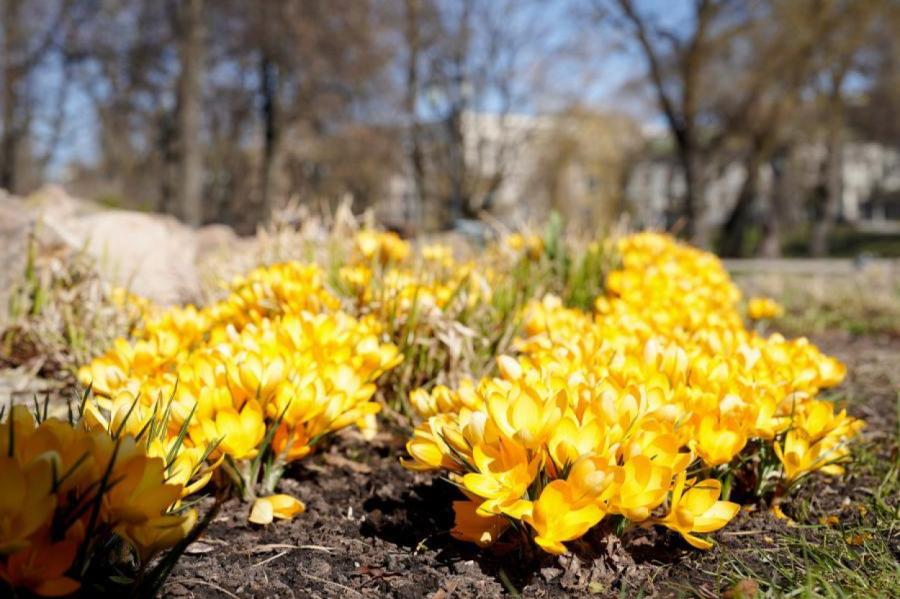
(167, 143)
(456, 150)
(688, 164)
(9, 144)
(825, 213)
(268, 78)
(775, 208)
(189, 121)
(416, 157)
(692, 202)
(734, 231)
(459, 82)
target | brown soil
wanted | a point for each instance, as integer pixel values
(372, 529)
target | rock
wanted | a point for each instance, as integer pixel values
(152, 255)
(14, 224)
(213, 239)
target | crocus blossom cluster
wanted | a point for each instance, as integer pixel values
(69, 494)
(634, 412)
(251, 382)
(760, 308)
(385, 277)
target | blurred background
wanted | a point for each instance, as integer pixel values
(753, 127)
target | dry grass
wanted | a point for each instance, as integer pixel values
(860, 299)
(61, 314)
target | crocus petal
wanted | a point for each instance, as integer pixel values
(57, 587)
(697, 541)
(262, 511)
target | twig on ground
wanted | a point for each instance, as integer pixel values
(211, 585)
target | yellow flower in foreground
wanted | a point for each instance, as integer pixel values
(283, 507)
(63, 446)
(615, 406)
(644, 486)
(698, 510)
(474, 527)
(759, 308)
(801, 455)
(159, 533)
(187, 470)
(818, 420)
(25, 501)
(291, 443)
(256, 376)
(561, 514)
(718, 442)
(525, 415)
(591, 476)
(504, 474)
(64, 487)
(241, 433)
(139, 493)
(429, 449)
(41, 569)
(22, 423)
(572, 439)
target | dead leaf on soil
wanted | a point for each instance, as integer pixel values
(744, 589)
(831, 520)
(199, 548)
(204, 546)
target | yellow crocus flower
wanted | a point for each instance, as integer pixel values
(562, 513)
(63, 445)
(572, 439)
(698, 510)
(291, 443)
(158, 534)
(428, 448)
(22, 423)
(643, 487)
(801, 454)
(471, 525)
(26, 503)
(502, 475)
(256, 376)
(522, 414)
(240, 432)
(717, 442)
(139, 493)
(759, 308)
(595, 476)
(41, 568)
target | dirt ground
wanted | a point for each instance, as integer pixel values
(372, 529)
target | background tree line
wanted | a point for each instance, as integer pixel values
(216, 111)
